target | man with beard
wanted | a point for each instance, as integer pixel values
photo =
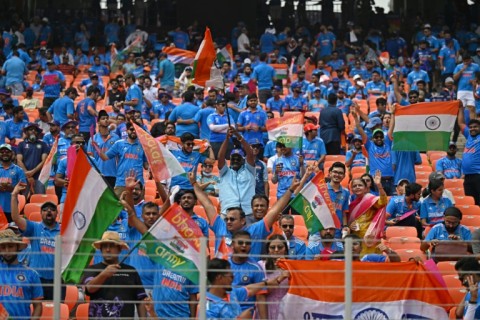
(103, 280)
(54, 133)
(10, 176)
(130, 156)
(105, 141)
(42, 239)
(450, 165)
(31, 155)
(323, 248)
(21, 285)
(450, 229)
(69, 130)
(63, 109)
(296, 247)
(170, 286)
(355, 157)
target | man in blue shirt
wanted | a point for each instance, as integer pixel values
(471, 154)
(355, 157)
(166, 73)
(376, 87)
(296, 246)
(163, 107)
(86, 112)
(399, 205)
(295, 101)
(339, 195)
(332, 125)
(10, 176)
(17, 123)
(52, 83)
(183, 116)
(313, 148)
(468, 270)
(218, 122)
(42, 239)
(252, 122)
(465, 74)
(63, 109)
(450, 165)
(20, 284)
(134, 97)
(201, 118)
(276, 103)
(323, 247)
(416, 75)
(264, 75)
(14, 69)
(287, 168)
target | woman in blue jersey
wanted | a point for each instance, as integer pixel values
(434, 205)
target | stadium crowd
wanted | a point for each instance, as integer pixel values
(239, 183)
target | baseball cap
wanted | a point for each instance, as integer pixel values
(427, 26)
(357, 76)
(254, 141)
(247, 60)
(54, 123)
(310, 126)
(278, 88)
(435, 176)
(449, 80)
(335, 80)
(238, 152)
(6, 146)
(378, 131)
(48, 204)
(296, 86)
(324, 78)
(357, 137)
(70, 122)
(375, 121)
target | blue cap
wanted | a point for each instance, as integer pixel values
(278, 88)
(238, 152)
(4, 92)
(375, 121)
(254, 141)
(75, 123)
(335, 80)
(296, 85)
(357, 137)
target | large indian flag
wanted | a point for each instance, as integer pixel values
(176, 55)
(424, 126)
(380, 291)
(90, 207)
(174, 242)
(287, 129)
(315, 205)
(204, 59)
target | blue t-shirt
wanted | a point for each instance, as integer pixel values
(378, 88)
(290, 170)
(20, 285)
(42, 241)
(62, 170)
(107, 168)
(267, 42)
(380, 157)
(130, 156)
(467, 75)
(296, 248)
(397, 206)
(244, 274)
(171, 286)
(316, 247)
(325, 43)
(344, 105)
(134, 92)
(139, 258)
(4, 132)
(12, 175)
(264, 75)
(471, 153)
(317, 105)
(185, 111)
(255, 119)
(405, 162)
(275, 105)
(229, 308)
(415, 76)
(217, 119)
(379, 258)
(313, 150)
(340, 201)
(295, 103)
(358, 161)
(449, 59)
(52, 87)
(188, 161)
(451, 168)
(439, 232)
(160, 110)
(201, 117)
(61, 109)
(16, 128)
(433, 211)
(168, 78)
(86, 120)
(15, 69)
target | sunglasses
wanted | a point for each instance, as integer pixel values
(52, 209)
(208, 166)
(189, 144)
(229, 219)
(287, 226)
(70, 127)
(244, 242)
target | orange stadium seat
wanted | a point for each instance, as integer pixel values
(423, 168)
(452, 281)
(31, 207)
(435, 155)
(200, 211)
(457, 294)
(422, 175)
(299, 220)
(471, 221)
(457, 192)
(42, 198)
(396, 243)
(34, 216)
(447, 267)
(470, 210)
(395, 231)
(453, 183)
(335, 158)
(71, 296)
(422, 182)
(425, 161)
(47, 311)
(358, 171)
(82, 311)
(301, 232)
(463, 200)
(21, 202)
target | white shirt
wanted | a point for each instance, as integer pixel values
(241, 42)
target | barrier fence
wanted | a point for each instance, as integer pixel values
(336, 277)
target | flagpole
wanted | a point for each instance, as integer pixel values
(348, 278)
(57, 277)
(202, 314)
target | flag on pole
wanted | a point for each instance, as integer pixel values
(90, 207)
(281, 70)
(225, 54)
(174, 143)
(174, 242)
(204, 60)
(315, 205)
(177, 55)
(223, 251)
(287, 129)
(380, 291)
(47, 166)
(384, 58)
(162, 162)
(117, 58)
(308, 67)
(424, 126)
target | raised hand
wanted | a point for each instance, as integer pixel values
(131, 179)
(19, 188)
(378, 178)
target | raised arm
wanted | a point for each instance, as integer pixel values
(393, 107)
(396, 89)
(20, 221)
(276, 210)
(359, 127)
(202, 197)
(222, 152)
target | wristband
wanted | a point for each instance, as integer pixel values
(472, 302)
(291, 190)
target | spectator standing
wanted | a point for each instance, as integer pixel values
(14, 69)
(53, 81)
(332, 125)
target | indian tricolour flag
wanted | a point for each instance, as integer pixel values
(424, 126)
(90, 207)
(204, 59)
(287, 129)
(174, 242)
(379, 291)
(162, 162)
(176, 55)
(47, 166)
(315, 205)
(281, 70)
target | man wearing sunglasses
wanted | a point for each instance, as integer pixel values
(468, 270)
(412, 94)
(296, 247)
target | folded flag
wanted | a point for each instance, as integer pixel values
(179, 55)
(174, 143)
(380, 291)
(47, 166)
(424, 126)
(287, 129)
(315, 205)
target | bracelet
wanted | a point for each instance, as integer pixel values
(278, 282)
(291, 190)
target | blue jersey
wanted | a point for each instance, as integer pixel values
(449, 59)
(201, 117)
(344, 105)
(4, 132)
(86, 120)
(229, 308)
(358, 161)
(255, 119)
(185, 111)
(317, 105)
(405, 162)
(380, 157)
(140, 260)
(170, 286)
(295, 103)
(244, 274)
(433, 211)
(451, 168)
(313, 150)
(275, 104)
(11, 175)
(296, 248)
(42, 241)
(61, 109)
(340, 201)
(63, 144)
(378, 88)
(264, 75)
(471, 153)
(326, 42)
(316, 247)
(217, 119)
(439, 232)
(134, 92)
(130, 156)
(415, 76)
(379, 258)
(168, 69)
(16, 128)
(397, 206)
(19, 285)
(188, 161)
(107, 168)
(466, 76)
(290, 170)
(62, 171)
(52, 85)
(161, 110)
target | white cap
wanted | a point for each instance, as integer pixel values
(324, 78)
(357, 76)
(449, 79)
(247, 60)
(361, 84)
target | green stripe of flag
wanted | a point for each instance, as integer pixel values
(291, 142)
(421, 141)
(301, 204)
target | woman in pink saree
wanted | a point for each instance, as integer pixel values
(367, 213)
